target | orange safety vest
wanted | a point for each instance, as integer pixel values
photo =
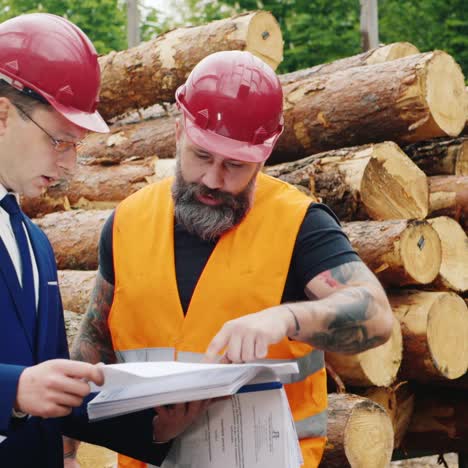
(245, 273)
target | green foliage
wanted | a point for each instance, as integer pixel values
(428, 24)
(319, 31)
(104, 21)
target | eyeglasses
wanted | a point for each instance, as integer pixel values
(60, 146)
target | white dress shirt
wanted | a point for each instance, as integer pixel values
(8, 238)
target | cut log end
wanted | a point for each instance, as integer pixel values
(264, 39)
(417, 246)
(368, 436)
(381, 364)
(446, 97)
(392, 186)
(447, 330)
(392, 52)
(454, 267)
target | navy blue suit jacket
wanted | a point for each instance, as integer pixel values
(35, 441)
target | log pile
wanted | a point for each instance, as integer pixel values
(377, 138)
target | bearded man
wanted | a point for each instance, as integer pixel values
(223, 261)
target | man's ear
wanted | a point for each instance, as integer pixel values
(5, 106)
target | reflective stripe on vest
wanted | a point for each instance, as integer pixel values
(313, 426)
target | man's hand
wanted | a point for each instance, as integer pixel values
(248, 338)
(172, 420)
(51, 389)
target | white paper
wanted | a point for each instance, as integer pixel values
(249, 430)
(134, 386)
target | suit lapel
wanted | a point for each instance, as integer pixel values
(41, 256)
(11, 279)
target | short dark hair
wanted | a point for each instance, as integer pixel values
(27, 100)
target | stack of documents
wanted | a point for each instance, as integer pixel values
(132, 387)
(249, 430)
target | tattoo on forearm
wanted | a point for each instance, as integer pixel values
(347, 331)
(93, 342)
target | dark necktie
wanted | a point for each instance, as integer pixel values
(10, 205)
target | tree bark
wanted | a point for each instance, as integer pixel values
(440, 421)
(378, 366)
(449, 197)
(377, 181)
(398, 401)
(149, 138)
(360, 433)
(76, 287)
(152, 71)
(453, 274)
(435, 331)
(442, 156)
(98, 187)
(381, 54)
(399, 252)
(398, 100)
(74, 236)
(72, 325)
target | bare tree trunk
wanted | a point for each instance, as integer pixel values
(398, 252)
(152, 71)
(74, 236)
(398, 100)
(98, 187)
(149, 138)
(75, 288)
(449, 197)
(453, 273)
(443, 156)
(377, 181)
(360, 433)
(435, 331)
(398, 401)
(381, 54)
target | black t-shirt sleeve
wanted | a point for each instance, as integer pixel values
(106, 255)
(321, 245)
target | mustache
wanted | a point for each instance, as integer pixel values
(216, 194)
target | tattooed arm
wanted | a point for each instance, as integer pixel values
(351, 313)
(348, 312)
(93, 342)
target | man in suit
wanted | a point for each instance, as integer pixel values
(49, 88)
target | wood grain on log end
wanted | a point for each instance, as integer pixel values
(392, 186)
(399, 252)
(444, 86)
(453, 272)
(435, 334)
(378, 366)
(398, 401)
(360, 433)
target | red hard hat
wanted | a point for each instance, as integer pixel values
(47, 55)
(232, 104)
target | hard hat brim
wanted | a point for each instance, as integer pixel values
(227, 147)
(91, 121)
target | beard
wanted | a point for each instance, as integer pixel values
(205, 221)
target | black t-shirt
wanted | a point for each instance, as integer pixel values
(320, 245)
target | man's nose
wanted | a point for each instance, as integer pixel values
(213, 178)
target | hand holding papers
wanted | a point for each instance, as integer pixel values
(134, 386)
